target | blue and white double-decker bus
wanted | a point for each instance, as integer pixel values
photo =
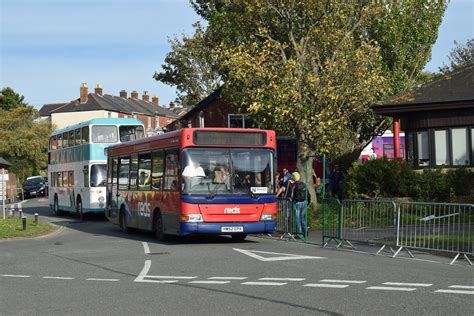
(77, 165)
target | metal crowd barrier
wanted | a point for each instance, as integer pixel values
(286, 224)
(370, 221)
(331, 221)
(443, 227)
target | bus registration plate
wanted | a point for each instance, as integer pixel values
(232, 229)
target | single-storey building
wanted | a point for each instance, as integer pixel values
(438, 121)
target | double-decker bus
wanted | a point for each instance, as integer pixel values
(194, 181)
(77, 162)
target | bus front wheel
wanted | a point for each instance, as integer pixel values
(159, 229)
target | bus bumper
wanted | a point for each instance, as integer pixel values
(262, 227)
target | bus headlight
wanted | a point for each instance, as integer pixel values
(193, 218)
(268, 217)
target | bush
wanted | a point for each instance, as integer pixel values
(379, 178)
(382, 178)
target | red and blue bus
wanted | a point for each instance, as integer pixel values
(194, 181)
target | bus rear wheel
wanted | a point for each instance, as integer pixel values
(159, 229)
(56, 210)
(239, 237)
(123, 222)
(79, 212)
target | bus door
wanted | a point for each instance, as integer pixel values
(112, 189)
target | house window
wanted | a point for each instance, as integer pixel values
(148, 122)
(441, 144)
(460, 147)
(201, 119)
(157, 122)
(236, 121)
(410, 148)
(423, 148)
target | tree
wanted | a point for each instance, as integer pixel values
(24, 140)
(311, 69)
(190, 66)
(460, 56)
(9, 99)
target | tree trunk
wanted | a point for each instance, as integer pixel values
(303, 156)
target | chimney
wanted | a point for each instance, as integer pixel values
(134, 94)
(155, 100)
(145, 96)
(123, 94)
(98, 89)
(84, 93)
(172, 105)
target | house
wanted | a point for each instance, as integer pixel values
(438, 121)
(99, 105)
(213, 111)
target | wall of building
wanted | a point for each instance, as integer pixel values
(60, 120)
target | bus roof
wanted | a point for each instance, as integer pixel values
(102, 121)
(177, 139)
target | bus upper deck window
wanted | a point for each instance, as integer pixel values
(65, 139)
(85, 135)
(104, 134)
(78, 136)
(131, 132)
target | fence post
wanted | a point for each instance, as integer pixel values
(398, 225)
(23, 219)
(36, 218)
(20, 212)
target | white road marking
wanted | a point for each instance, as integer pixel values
(58, 278)
(342, 281)
(281, 279)
(408, 284)
(461, 286)
(145, 247)
(281, 257)
(387, 288)
(227, 278)
(157, 281)
(144, 271)
(182, 277)
(106, 280)
(16, 276)
(264, 283)
(455, 292)
(210, 282)
(336, 286)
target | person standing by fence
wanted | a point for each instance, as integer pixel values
(300, 197)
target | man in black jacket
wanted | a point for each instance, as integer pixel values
(300, 197)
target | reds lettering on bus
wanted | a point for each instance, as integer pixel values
(144, 209)
(232, 210)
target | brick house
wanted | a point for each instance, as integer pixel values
(99, 105)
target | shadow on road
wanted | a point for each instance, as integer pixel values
(98, 225)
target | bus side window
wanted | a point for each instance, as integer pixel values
(65, 181)
(85, 135)
(86, 176)
(157, 170)
(171, 170)
(133, 172)
(144, 171)
(59, 179)
(71, 138)
(124, 169)
(65, 139)
(71, 178)
(78, 136)
(60, 141)
(114, 170)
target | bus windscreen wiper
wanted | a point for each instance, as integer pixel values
(213, 193)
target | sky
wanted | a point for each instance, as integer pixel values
(50, 47)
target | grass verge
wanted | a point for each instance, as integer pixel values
(13, 227)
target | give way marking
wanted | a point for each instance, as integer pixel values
(274, 256)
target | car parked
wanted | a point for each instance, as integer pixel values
(35, 186)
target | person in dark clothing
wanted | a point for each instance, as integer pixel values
(300, 197)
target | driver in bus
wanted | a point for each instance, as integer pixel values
(192, 172)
